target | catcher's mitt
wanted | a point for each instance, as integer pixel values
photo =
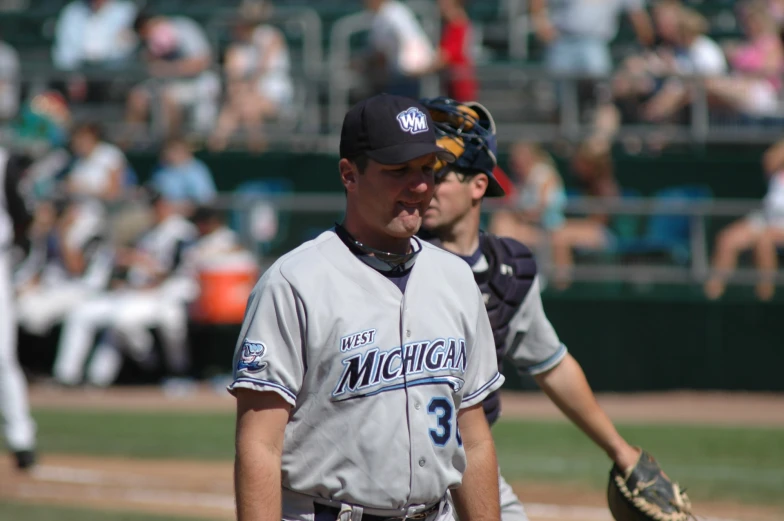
(645, 493)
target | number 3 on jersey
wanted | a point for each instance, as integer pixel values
(443, 411)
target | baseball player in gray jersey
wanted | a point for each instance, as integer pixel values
(14, 407)
(365, 353)
(506, 274)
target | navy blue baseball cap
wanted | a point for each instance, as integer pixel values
(390, 130)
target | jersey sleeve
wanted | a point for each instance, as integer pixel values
(482, 376)
(268, 354)
(532, 343)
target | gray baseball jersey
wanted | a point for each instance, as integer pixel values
(532, 343)
(375, 376)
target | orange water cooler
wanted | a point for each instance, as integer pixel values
(225, 286)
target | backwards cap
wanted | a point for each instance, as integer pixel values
(468, 131)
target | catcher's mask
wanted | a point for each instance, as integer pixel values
(468, 131)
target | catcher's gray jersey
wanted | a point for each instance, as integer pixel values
(375, 377)
(532, 343)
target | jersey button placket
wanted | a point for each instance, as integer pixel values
(422, 462)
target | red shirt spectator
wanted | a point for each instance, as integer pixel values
(456, 44)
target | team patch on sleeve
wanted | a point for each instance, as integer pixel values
(250, 357)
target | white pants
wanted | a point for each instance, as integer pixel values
(14, 406)
(128, 315)
(39, 309)
(511, 507)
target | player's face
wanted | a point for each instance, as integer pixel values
(452, 201)
(393, 198)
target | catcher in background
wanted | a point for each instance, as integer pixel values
(506, 273)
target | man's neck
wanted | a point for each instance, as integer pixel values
(375, 240)
(463, 238)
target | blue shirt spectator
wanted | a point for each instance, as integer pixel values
(182, 178)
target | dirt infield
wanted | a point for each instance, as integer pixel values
(202, 489)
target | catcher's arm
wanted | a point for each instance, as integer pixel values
(566, 385)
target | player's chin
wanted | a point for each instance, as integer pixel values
(405, 226)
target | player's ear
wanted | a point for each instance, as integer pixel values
(348, 174)
(478, 186)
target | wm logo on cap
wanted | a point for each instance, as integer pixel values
(412, 121)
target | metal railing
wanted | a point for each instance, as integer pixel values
(324, 209)
(521, 96)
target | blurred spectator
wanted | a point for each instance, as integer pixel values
(258, 77)
(41, 132)
(10, 79)
(694, 54)
(226, 270)
(400, 50)
(592, 165)
(578, 33)
(69, 260)
(540, 197)
(9, 6)
(215, 239)
(776, 10)
(43, 122)
(183, 179)
(647, 86)
(761, 231)
(94, 33)
(456, 49)
(179, 58)
(100, 167)
(757, 64)
(146, 296)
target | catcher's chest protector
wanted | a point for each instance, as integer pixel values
(504, 286)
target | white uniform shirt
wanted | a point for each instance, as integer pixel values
(6, 225)
(397, 34)
(165, 243)
(373, 423)
(85, 233)
(92, 174)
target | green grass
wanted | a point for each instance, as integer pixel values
(23, 512)
(207, 436)
(744, 464)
